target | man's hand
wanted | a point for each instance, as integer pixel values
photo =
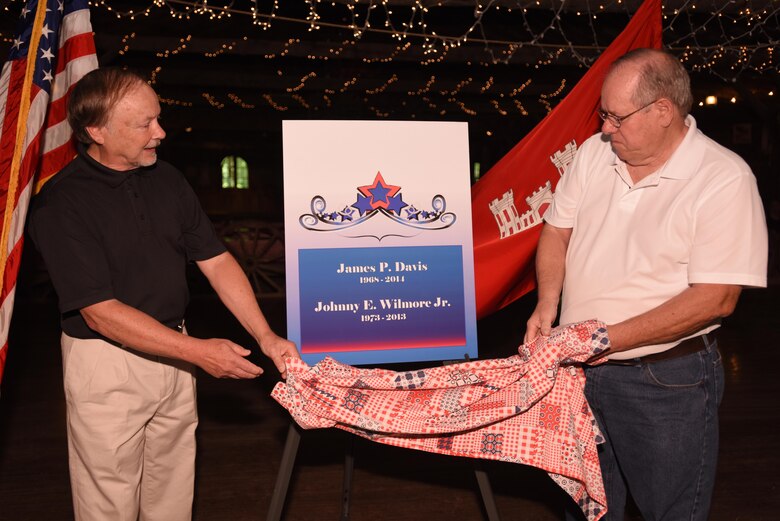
(541, 321)
(229, 281)
(224, 359)
(277, 349)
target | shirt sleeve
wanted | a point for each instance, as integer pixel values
(201, 241)
(563, 210)
(73, 256)
(730, 235)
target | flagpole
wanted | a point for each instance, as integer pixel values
(21, 135)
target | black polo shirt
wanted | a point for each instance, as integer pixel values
(106, 234)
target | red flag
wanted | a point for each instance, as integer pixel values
(52, 50)
(508, 203)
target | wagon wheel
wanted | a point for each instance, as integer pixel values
(258, 246)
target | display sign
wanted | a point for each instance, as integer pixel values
(378, 241)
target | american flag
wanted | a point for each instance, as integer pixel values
(52, 50)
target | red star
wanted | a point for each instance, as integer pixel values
(379, 192)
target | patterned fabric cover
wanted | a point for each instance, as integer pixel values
(529, 408)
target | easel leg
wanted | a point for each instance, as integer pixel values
(482, 478)
(285, 471)
(349, 466)
(487, 492)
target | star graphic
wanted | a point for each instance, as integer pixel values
(379, 192)
(18, 43)
(61, 6)
(412, 213)
(396, 204)
(46, 31)
(25, 12)
(47, 76)
(47, 54)
(363, 204)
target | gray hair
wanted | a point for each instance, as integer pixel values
(661, 75)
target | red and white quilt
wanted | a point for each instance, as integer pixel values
(528, 408)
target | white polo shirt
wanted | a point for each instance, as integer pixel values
(698, 219)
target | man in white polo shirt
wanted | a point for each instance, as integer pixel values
(654, 229)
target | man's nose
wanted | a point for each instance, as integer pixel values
(159, 133)
(607, 127)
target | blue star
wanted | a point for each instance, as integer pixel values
(379, 194)
(396, 204)
(412, 213)
(363, 204)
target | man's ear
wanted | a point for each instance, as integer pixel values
(667, 110)
(96, 133)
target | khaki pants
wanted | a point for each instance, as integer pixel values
(131, 433)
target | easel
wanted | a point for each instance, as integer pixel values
(288, 462)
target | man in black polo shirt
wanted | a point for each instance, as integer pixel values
(116, 229)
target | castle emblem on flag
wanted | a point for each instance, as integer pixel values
(562, 158)
(377, 199)
(505, 212)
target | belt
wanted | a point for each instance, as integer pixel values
(178, 326)
(686, 347)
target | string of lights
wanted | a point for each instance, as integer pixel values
(725, 39)
(733, 24)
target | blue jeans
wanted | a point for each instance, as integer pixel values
(660, 421)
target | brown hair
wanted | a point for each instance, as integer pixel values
(661, 75)
(94, 97)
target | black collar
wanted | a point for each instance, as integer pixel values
(111, 177)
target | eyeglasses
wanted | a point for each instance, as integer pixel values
(615, 120)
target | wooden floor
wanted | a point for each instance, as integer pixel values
(242, 432)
